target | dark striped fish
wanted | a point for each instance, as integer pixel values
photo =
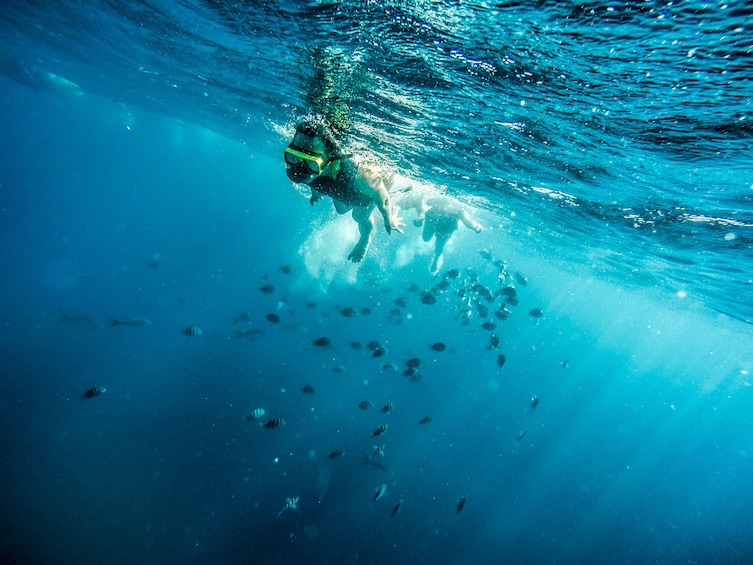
(365, 405)
(536, 313)
(501, 360)
(192, 330)
(380, 430)
(336, 454)
(379, 352)
(387, 408)
(308, 389)
(255, 414)
(397, 507)
(274, 423)
(493, 341)
(272, 318)
(425, 420)
(461, 504)
(322, 342)
(438, 346)
(429, 297)
(413, 363)
(267, 289)
(348, 312)
(93, 391)
(534, 402)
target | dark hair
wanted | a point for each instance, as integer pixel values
(317, 126)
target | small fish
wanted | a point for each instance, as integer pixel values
(428, 297)
(93, 391)
(366, 311)
(154, 262)
(521, 435)
(251, 334)
(413, 363)
(534, 402)
(380, 352)
(322, 342)
(386, 409)
(378, 450)
(338, 369)
(380, 430)
(482, 310)
(565, 363)
(410, 372)
(503, 313)
(267, 289)
(536, 312)
(290, 504)
(308, 389)
(365, 405)
(192, 330)
(486, 254)
(521, 278)
(425, 420)
(501, 359)
(287, 269)
(83, 321)
(489, 326)
(348, 312)
(510, 292)
(381, 489)
(311, 304)
(355, 345)
(493, 341)
(255, 414)
(391, 367)
(461, 504)
(452, 274)
(274, 423)
(336, 454)
(438, 346)
(400, 302)
(242, 317)
(272, 318)
(396, 508)
(374, 345)
(131, 322)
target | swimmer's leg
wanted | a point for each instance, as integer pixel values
(439, 244)
(362, 216)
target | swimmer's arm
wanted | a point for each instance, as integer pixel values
(469, 222)
(375, 189)
(315, 196)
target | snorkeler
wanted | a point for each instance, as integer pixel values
(441, 220)
(314, 159)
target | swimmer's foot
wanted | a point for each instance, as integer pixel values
(359, 251)
(436, 265)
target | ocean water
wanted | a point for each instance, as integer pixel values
(604, 147)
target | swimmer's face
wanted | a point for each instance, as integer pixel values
(311, 145)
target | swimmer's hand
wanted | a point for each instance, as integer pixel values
(315, 197)
(395, 223)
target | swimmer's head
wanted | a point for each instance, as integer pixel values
(313, 147)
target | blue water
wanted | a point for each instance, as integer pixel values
(604, 147)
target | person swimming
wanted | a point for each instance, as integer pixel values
(313, 158)
(440, 217)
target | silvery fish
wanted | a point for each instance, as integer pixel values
(381, 489)
(290, 504)
(131, 322)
